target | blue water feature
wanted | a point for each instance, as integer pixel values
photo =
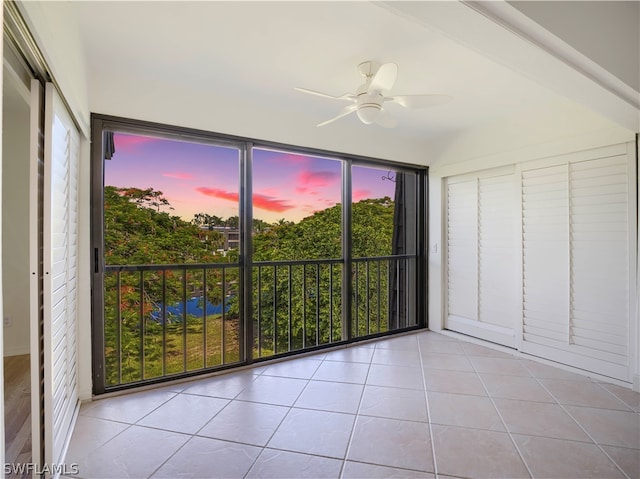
(194, 308)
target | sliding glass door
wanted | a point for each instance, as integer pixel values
(213, 252)
(171, 274)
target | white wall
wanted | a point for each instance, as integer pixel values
(15, 224)
(584, 24)
(52, 25)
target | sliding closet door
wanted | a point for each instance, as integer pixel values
(36, 309)
(60, 276)
(579, 224)
(481, 252)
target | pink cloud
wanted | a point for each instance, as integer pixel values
(310, 180)
(360, 195)
(179, 175)
(263, 202)
(217, 193)
(125, 142)
(270, 204)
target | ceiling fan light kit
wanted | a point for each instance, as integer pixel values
(368, 101)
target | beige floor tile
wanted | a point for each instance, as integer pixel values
(246, 422)
(441, 347)
(515, 387)
(628, 396)
(135, 453)
(273, 390)
(300, 368)
(208, 458)
(224, 386)
(314, 432)
(544, 371)
(342, 372)
(557, 458)
(359, 470)
(539, 419)
(464, 411)
(127, 408)
(185, 413)
(456, 382)
(404, 343)
(395, 357)
(351, 355)
(504, 366)
(610, 427)
(627, 459)
(473, 349)
(274, 464)
(583, 393)
(397, 403)
(392, 442)
(330, 396)
(89, 434)
(476, 453)
(451, 362)
(395, 376)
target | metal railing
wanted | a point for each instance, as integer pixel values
(165, 321)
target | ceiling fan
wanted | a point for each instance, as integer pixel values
(369, 99)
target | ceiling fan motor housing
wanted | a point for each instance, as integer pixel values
(369, 104)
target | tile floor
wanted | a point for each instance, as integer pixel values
(423, 405)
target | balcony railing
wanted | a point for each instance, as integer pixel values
(164, 321)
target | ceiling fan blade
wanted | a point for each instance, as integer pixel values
(386, 120)
(384, 78)
(345, 111)
(419, 101)
(346, 96)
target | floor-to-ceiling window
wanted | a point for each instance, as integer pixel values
(214, 251)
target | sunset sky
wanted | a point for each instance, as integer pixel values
(201, 178)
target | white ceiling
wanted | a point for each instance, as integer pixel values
(260, 51)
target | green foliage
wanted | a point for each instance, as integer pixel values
(305, 305)
(294, 306)
(137, 232)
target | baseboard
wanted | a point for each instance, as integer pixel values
(636, 382)
(16, 351)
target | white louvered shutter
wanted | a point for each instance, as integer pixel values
(60, 280)
(481, 292)
(496, 253)
(600, 259)
(577, 230)
(462, 220)
(545, 241)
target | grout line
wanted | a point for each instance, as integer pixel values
(290, 408)
(426, 398)
(355, 421)
(506, 428)
(615, 396)
(582, 427)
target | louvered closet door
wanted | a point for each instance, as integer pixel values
(481, 247)
(578, 222)
(60, 278)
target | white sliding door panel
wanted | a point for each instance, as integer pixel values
(600, 258)
(462, 240)
(577, 280)
(481, 257)
(549, 252)
(545, 231)
(497, 298)
(60, 280)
